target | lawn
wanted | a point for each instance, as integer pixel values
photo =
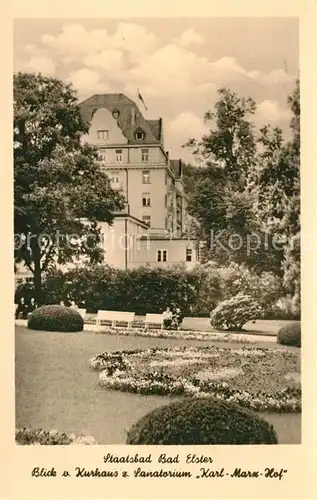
(56, 390)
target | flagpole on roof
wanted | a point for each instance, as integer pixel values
(141, 99)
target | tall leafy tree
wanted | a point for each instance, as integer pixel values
(60, 192)
(249, 188)
(230, 143)
(291, 220)
(219, 199)
(275, 185)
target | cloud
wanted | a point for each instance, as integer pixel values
(271, 111)
(30, 48)
(228, 68)
(135, 40)
(277, 76)
(188, 38)
(75, 40)
(132, 57)
(87, 82)
(171, 69)
(109, 60)
(175, 69)
(184, 126)
(40, 64)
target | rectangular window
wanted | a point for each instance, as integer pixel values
(165, 178)
(189, 254)
(119, 156)
(145, 155)
(146, 219)
(115, 178)
(102, 135)
(103, 155)
(146, 200)
(198, 253)
(146, 177)
(165, 200)
(162, 256)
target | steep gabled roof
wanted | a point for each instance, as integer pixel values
(156, 126)
(130, 118)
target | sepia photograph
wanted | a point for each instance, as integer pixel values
(157, 275)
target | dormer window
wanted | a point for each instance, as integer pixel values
(139, 134)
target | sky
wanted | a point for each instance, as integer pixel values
(177, 64)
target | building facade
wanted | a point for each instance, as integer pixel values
(132, 153)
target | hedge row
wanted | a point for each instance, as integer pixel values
(196, 292)
(139, 290)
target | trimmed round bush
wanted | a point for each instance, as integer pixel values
(201, 421)
(56, 318)
(290, 334)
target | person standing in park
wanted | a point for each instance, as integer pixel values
(21, 309)
(178, 316)
(167, 318)
(33, 305)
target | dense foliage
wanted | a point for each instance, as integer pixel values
(55, 318)
(140, 290)
(143, 290)
(246, 193)
(200, 422)
(235, 312)
(265, 288)
(290, 335)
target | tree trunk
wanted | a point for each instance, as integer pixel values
(37, 275)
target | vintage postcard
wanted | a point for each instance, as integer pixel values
(159, 264)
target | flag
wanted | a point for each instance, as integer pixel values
(141, 99)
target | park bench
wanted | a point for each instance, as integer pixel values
(115, 318)
(82, 312)
(153, 320)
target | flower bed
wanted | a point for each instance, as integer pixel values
(261, 379)
(174, 334)
(41, 437)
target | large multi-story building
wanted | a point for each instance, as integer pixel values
(153, 227)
